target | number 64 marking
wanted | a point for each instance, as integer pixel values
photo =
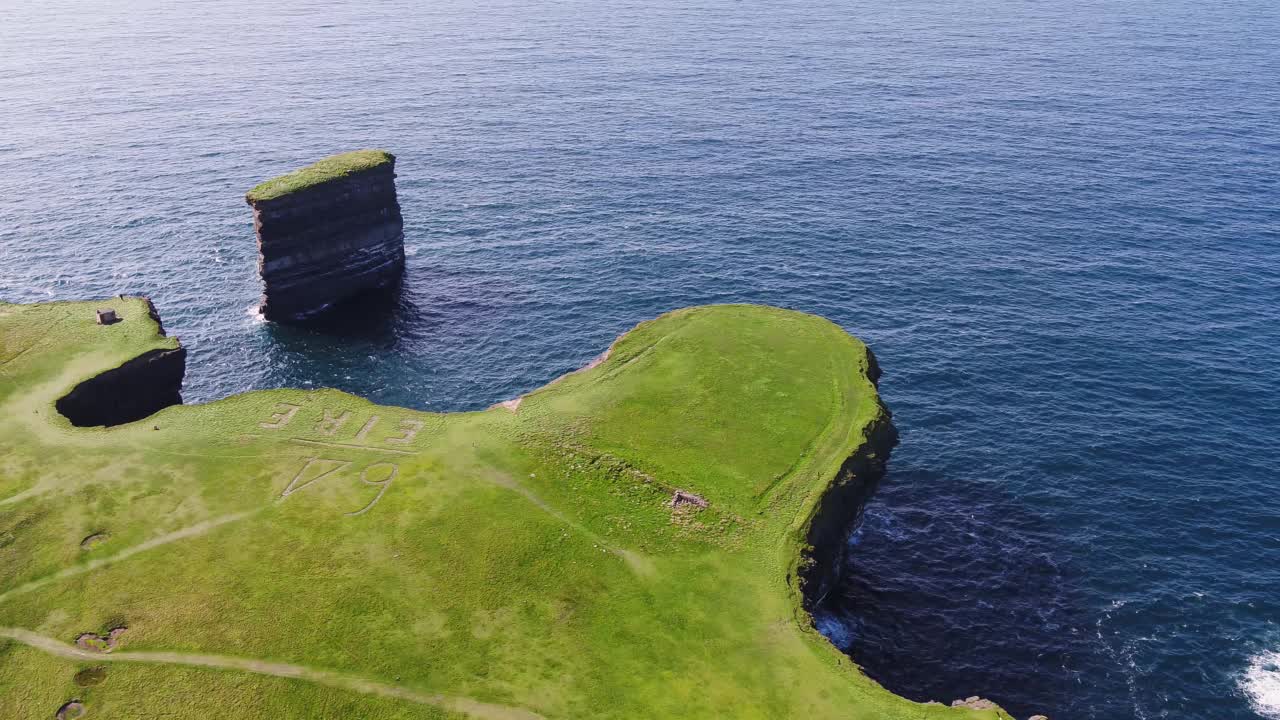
(383, 485)
(302, 479)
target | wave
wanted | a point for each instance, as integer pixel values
(1261, 683)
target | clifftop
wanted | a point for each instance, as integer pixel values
(321, 171)
(294, 553)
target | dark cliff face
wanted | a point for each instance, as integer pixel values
(329, 243)
(841, 506)
(142, 386)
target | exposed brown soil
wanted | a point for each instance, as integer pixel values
(101, 643)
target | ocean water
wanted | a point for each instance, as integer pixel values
(1058, 225)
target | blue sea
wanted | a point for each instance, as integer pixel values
(1057, 224)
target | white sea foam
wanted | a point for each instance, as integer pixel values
(840, 634)
(1261, 683)
(254, 312)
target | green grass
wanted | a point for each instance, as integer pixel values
(517, 565)
(330, 168)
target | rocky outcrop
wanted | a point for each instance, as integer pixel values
(841, 506)
(974, 702)
(142, 386)
(329, 238)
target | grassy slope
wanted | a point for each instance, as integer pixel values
(330, 168)
(518, 565)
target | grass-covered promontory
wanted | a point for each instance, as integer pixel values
(308, 554)
(321, 171)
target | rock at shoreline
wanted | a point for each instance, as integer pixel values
(974, 702)
(327, 233)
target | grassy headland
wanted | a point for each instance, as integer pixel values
(291, 553)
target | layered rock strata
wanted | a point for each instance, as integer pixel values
(328, 233)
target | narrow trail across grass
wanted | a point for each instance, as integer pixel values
(182, 534)
(465, 705)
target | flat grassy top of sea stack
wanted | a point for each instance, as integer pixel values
(322, 171)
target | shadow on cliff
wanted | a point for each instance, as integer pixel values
(377, 316)
(135, 390)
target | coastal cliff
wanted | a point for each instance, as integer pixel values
(635, 515)
(327, 233)
(840, 511)
(146, 384)
(137, 388)
(841, 506)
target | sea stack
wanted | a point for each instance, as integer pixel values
(327, 233)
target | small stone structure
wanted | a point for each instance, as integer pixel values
(682, 498)
(107, 317)
(327, 233)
